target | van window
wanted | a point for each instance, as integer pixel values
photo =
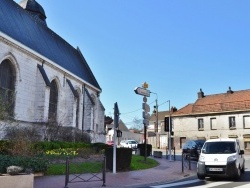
(219, 147)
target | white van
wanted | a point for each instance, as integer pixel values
(221, 157)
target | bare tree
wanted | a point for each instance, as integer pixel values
(137, 124)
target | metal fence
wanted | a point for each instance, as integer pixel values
(85, 177)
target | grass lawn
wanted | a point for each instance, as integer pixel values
(137, 163)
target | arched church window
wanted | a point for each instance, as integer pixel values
(53, 101)
(7, 87)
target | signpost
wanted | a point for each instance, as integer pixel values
(142, 91)
(145, 114)
(116, 125)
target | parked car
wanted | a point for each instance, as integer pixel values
(221, 157)
(110, 142)
(192, 148)
(129, 144)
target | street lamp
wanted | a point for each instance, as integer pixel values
(156, 111)
(169, 132)
(156, 114)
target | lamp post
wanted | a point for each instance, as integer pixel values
(156, 122)
(169, 132)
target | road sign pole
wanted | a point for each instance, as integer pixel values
(116, 125)
(146, 93)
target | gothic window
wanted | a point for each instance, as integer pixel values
(7, 88)
(53, 101)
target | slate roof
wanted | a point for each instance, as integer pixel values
(19, 24)
(122, 126)
(218, 103)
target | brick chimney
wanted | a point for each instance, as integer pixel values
(173, 109)
(201, 94)
(229, 91)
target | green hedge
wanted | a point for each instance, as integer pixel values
(38, 160)
(142, 149)
(4, 146)
(46, 145)
(34, 164)
(123, 158)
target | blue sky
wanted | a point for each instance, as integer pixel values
(176, 46)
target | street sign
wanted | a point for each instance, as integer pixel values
(146, 122)
(145, 115)
(116, 115)
(145, 107)
(142, 91)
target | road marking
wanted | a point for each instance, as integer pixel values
(214, 184)
(244, 186)
(176, 184)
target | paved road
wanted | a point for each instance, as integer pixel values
(193, 181)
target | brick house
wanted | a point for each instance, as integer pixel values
(43, 76)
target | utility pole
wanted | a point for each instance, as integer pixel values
(145, 107)
(169, 133)
(157, 121)
(116, 125)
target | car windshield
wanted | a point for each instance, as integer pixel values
(132, 142)
(218, 147)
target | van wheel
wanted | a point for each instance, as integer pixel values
(200, 177)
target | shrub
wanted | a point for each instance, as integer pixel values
(36, 164)
(99, 146)
(20, 140)
(45, 145)
(123, 158)
(142, 149)
(55, 131)
(4, 146)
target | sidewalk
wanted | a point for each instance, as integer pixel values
(165, 171)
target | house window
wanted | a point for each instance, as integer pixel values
(246, 122)
(232, 124)
(200, 124)
(53, 100)
(7, 88)
(213, 124)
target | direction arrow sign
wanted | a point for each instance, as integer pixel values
(142, 91)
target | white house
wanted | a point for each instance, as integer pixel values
(42, 76)
(126, 133)
(223, 115)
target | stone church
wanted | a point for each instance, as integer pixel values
(43, 79)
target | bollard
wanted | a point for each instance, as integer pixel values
(67, 173)
(182, 162)
(189, 161)
(174, 153)
(166, 152)
(104, 172)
